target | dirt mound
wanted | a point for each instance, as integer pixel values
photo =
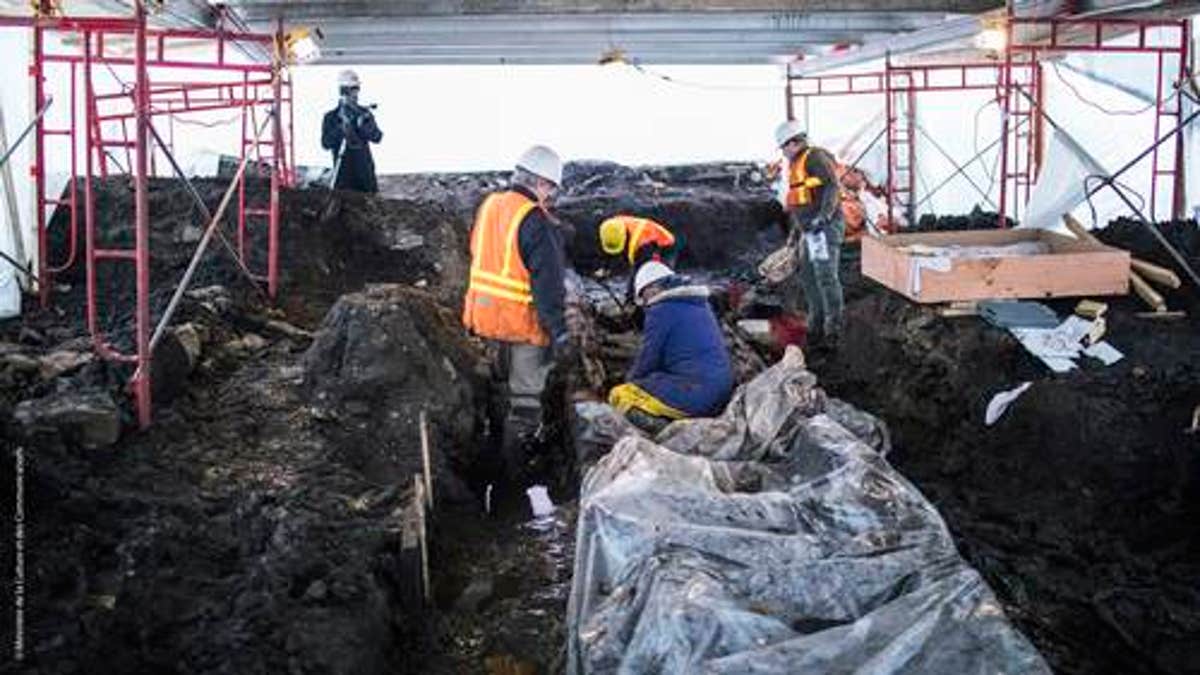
(725, 213)
(1184, 235)
(368, 239)
(1079, 504)
(227, 538)
(381, 358)
(977, 219)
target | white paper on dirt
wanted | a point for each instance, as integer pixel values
(1059, 347)
(1000, 403)
(1051, 345)
(1075, 328)
(1105, 352)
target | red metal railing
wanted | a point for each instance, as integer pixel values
(1017, 77)
(899, 86)
(215, 83)
(1034, 38)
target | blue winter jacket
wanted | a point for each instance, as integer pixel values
(683, 361)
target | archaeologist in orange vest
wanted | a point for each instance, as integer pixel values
(638, 240)
(813, 208)
(682, 368)
(515, 297)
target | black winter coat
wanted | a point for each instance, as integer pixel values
(356, 126)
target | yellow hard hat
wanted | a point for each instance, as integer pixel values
(612, 236)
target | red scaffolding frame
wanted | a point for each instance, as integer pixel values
(1018, 81)
(262, 89)
(1033, 38)
(899, 86)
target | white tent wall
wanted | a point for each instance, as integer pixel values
(15, 97)
(964, 124)
(1114, 125)
(198, 138)
(478, 118)
(440, 118)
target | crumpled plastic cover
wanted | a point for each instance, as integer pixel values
(774, 539)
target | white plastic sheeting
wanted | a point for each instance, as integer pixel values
(774, 539)
(1060, 187)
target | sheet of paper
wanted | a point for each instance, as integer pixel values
(1000, 403)
(818, 246)
(1075, 328)
(1105, 352)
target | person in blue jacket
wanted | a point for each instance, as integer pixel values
(683, 368)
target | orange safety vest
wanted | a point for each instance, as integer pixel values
(642, 231)
(800, 184)
(499, 303)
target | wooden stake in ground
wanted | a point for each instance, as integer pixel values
(425, 462)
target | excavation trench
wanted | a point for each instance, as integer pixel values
(260, 525)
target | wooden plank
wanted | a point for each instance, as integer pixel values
(884, 264)
(1079, 230)
(1159, 275)
(1146, 293)
(413, 558)
(420, 500)
(1072, 268)
(1148, 271)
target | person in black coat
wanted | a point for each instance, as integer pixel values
(347, 131)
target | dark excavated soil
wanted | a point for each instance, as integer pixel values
(1079, 505)
(249, 530)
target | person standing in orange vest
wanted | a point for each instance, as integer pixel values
(813, 207)
(638, 240)
(515, 297)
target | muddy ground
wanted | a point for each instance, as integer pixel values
(254, 528)
(1079, 504)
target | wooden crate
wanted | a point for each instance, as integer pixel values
(1071, 268)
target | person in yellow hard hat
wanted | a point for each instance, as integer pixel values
(638, 240)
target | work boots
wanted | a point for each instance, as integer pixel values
(651, 424)
(521, 428)
(833, 334)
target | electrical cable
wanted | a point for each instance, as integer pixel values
(175, 116)
(699, 85)
(991, 176)
(1088, 193)
(1083, 99)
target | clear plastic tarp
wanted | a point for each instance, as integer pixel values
(774, 539)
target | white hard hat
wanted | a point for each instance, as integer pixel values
(647, 274)
(542, 161)
(348, 78)
(789, 130)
